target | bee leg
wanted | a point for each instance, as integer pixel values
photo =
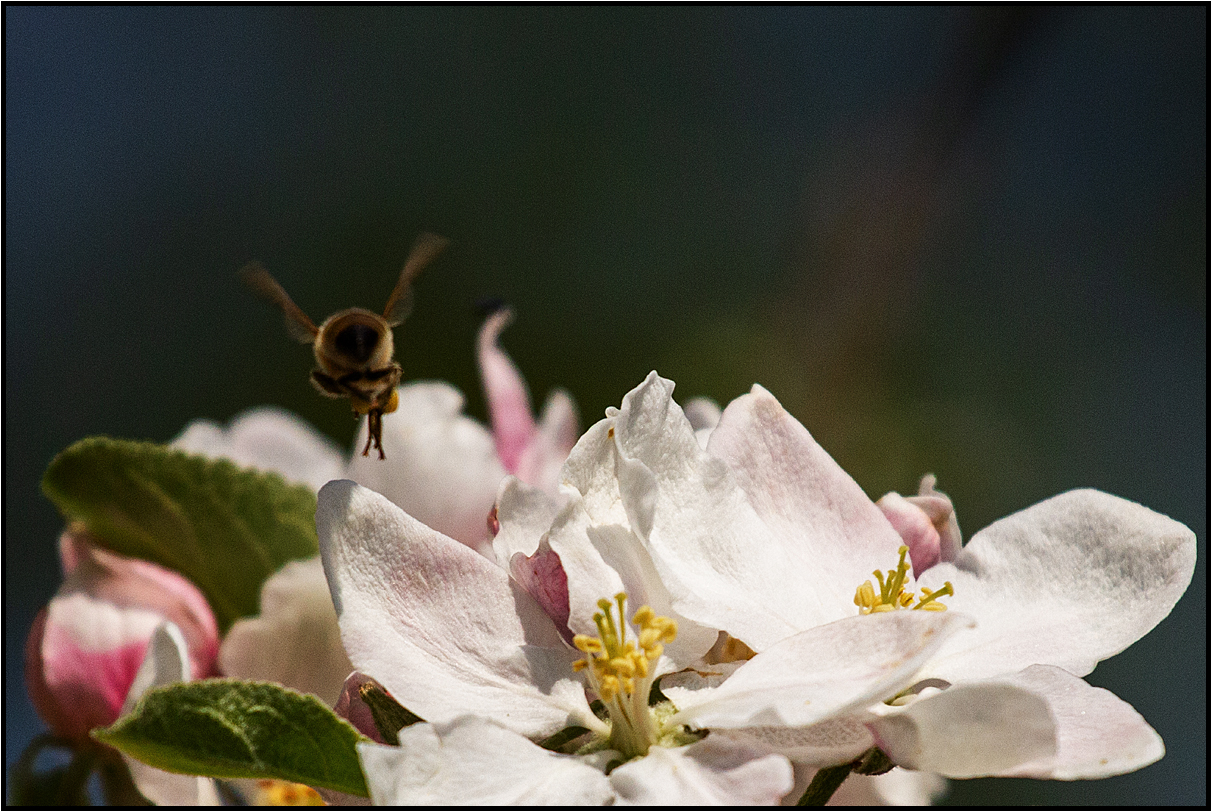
(379, 433)
(370, 433)
(374, 433)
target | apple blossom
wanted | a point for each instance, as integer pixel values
(1053, 589)
(486, 661)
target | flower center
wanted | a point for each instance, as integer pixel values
(621, 670)
(893, 595)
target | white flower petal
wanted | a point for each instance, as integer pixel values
(524, 514)
(827, 529)
(704, 416)
(441, 466)
(295, 640)
(590, 472)
(717, 559)
(703, 413)
(270, 439)
(602, 560)
(470, 761)
(823, 672)
(441, 627)
(970, 730)
(166, 662)
(896, 787)
(1097, 733)
(1068, 582)
(825, 744)
(714, 771)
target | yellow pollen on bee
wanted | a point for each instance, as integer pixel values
(614, 661)
(892, 594)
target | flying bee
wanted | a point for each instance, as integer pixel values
(354, 348)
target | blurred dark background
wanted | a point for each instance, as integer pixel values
(967, 241)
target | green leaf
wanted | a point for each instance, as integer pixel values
(224, 528)
(227, 728)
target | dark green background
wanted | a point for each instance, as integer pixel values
(972, 242)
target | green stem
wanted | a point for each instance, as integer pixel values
(824, 784)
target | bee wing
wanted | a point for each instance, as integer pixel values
(261, 283)
(399, 304)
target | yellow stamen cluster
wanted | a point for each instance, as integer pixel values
(616, 662)
(892, 594)
(272, 792)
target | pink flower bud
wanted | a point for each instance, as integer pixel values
(87, 644)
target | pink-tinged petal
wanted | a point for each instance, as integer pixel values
(295, 641)
(441, 466)
(73, 544)
(926, 523)
(967, 731)
(831, 531)
(559, 429)
(714, 771)
(166, 662)
(130, 583)
(703, 413)
(938, 507)
(915, 529)
(513, 426)
(352, 707)
(734, 531)
(269, 439)
(1097, 734)
(821, 673)
(542, 576)
(75, 689)
(896, 787)
(642, 470)
(86, 647)
(1068, 582)
(472, 761)
(442, 628)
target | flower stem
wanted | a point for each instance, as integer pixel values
(824, 784)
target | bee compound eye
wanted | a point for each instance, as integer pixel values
(358, 341)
